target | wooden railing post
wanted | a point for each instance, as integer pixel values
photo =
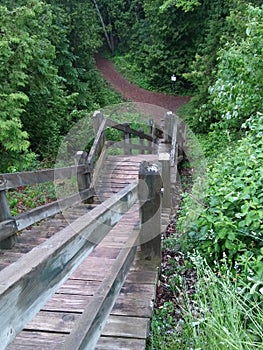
(169, 122)
(164, 159)
(5, 215)
(141, 142)
(152, 133)
(152, 127)
(98, 118)
(83, 178)
(149, 193)
(127, 140)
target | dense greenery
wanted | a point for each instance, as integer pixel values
(49, 81)
(216, 52)
(48, 76)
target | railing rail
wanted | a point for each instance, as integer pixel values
(9, 225)
(14, 180)
(52, 262)
(83, 170)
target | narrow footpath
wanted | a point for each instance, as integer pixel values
(134, 93)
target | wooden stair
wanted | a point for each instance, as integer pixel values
(127, 326)
(41, 232)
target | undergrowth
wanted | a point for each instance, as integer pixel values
(222, 243)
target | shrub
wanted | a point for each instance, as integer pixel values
(230, 219)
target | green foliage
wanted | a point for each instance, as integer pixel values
(209, 310)
(227, 73)
(166, 37)
(186, 5)
(219, 315)
(216, 142)
(237, 92)
(15, 56)
(48, 76)
(29, 197)
(125, 65)
(162, 328)
(229, 221)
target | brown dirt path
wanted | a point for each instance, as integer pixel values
(134, 93)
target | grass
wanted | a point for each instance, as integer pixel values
(218, 316)
(130, 71)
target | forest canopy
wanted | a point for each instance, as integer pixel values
(49, 78)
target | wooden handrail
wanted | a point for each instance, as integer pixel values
(14, 180)
(89, 325)
(10, 225)
(50, 264)
(32, 216)
(127, 129)
(97, 144)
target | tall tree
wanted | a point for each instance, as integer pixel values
(15, 57)
(48, 74)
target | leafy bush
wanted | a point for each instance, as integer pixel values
(227, 79)
(237, 92)
(230, 219)
(130, 70)
(162, 328)
(29, 197)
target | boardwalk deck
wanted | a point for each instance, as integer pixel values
(118, 172)
(128, 324)
(37, 234)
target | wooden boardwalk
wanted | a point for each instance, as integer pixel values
(83, 276)
(37, 234)
(127, 327)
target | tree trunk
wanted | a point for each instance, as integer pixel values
(109, 42)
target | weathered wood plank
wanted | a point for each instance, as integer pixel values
(8, 236)
(8, 257)
(104, 252)
(31, 340)
(150, 211)
(7, 228)
(80, 287)
(67, 303)
(121, 173)
(23, 285)
(126, 327)
(142, 277)
(95, 269)
(110, 343)
(135, 300)
(35, 215)
(88, 328)
(58, 322)
(97, 144)
(100, 164)
(52, 341)
(164, 159)
(14, 180)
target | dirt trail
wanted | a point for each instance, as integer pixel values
(134, 93)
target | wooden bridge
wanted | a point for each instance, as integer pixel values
(81, 272)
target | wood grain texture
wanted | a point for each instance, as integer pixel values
(27, 285)
(14, 180)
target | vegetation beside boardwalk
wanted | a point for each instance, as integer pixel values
(49, 81)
